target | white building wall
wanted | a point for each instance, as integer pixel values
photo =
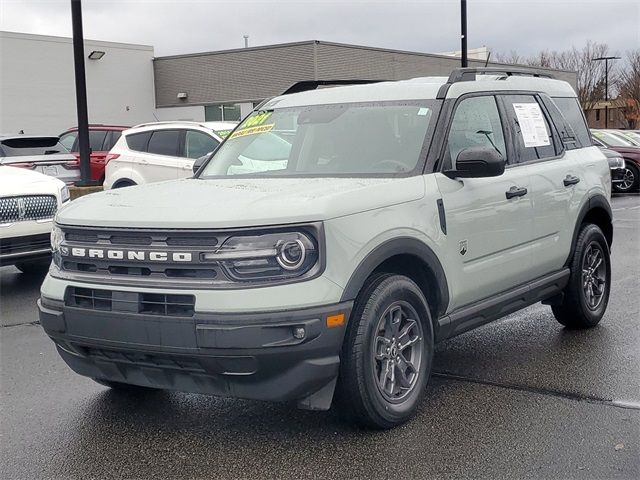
(37, 84)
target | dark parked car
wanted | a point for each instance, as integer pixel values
(42, 154)
(631, 154)
(101, 139)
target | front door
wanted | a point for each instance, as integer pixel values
(489, 220)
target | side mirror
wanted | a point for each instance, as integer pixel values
(199, 162)
(478, 162)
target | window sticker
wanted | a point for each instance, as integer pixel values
(222, 133)
(251, 131)
(532, 124)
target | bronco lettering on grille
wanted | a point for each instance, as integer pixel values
(135, 255)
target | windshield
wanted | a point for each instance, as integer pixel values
(611, 140)
(324, 140)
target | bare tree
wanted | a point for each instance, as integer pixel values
(629, 88)
(590, 74)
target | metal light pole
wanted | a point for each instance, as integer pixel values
(463, 30)
(81, 93)
(606, 86)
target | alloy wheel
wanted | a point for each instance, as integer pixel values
(594, 275)
(398, 350)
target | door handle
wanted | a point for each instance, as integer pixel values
(570, 180)
(515, 192)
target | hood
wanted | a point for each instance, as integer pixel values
(233, 202)
(21, 181)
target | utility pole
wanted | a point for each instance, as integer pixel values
(463, 30)
(81, 93)
(606, 86)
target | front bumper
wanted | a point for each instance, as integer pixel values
(617, 175)
(25, 248)
(253, 355)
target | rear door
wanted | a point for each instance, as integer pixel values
(489, 220)
(554, 178)
(161, 161)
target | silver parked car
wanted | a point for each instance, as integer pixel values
(42, 154)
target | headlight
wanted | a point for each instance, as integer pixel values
(616, 162)
(270, 256)
(57, 237)
(64, 194)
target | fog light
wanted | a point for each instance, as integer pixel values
(298, 332)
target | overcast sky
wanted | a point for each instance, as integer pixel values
(174, 27)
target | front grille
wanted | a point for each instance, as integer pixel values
(140, 359)
(28, 243)
(143, 271)
(29, 207)
(171, 305)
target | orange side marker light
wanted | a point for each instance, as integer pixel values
(335, 320)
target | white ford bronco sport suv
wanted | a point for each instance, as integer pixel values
(400, 214)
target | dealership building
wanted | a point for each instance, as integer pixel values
(127, 84)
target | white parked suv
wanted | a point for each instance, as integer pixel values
(158, 151)
(403, 214)
(28, 202)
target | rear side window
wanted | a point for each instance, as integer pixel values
(198, 144)
(572, 113)
(534, 138)
(20, 147)
(138, 141)
(164, 142)
(96, 139)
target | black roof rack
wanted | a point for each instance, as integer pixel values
(470, 73)
(314, 84)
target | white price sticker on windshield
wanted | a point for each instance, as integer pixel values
(532, 124)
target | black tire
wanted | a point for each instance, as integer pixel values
(124, 183)
(579, 309)
(360, 395)
(124, 387)
(34, 267)
(631, 179)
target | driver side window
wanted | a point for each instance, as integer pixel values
(476, 123)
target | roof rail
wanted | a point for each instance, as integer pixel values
(166, 122)
(470, 73)
(314, 84)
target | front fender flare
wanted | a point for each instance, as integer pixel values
(391, 248)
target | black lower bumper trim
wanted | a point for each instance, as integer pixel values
(276, 356)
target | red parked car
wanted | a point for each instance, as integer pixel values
(101, 139)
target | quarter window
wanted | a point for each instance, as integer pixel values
(68, 140)
(138, 141)
(198, 144)
(164, 142)
(572, 113)
(533, 137)
(476, 123)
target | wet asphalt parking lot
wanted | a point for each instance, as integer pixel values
(521, 397)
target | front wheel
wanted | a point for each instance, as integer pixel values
(587, 294)
(630, 179)
(387, 353)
